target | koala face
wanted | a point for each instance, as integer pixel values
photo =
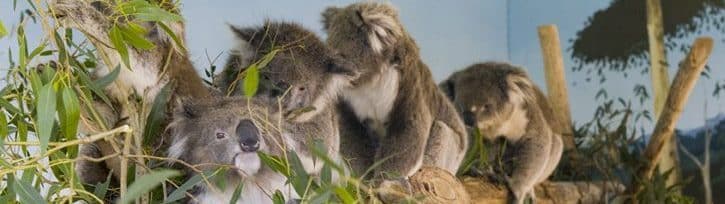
(485, 95)
(223, 132)
(304, 73)
(368, 34)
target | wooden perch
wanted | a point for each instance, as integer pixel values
(482, 191)
(556, 83)
(680, 89)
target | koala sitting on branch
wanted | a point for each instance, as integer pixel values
(395, 96)
(502, 102)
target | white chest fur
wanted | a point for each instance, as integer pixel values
(375, 99)
(259, 191)
(144, 79)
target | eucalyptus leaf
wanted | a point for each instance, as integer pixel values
(251, 81)
(157, 115)
(180, 192)
(27, 193)
(104, 81)
(116, 37)
(46, 115)
(300, 178)
(237, 193)
(102, 188)
(146, 183)
(3, 31)
(70, 113)
(134, 36)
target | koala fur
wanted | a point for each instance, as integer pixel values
(229, 132)
(150, 71)
(304, 73)
(502, 102)
(395, 96)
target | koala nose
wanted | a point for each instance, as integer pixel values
(469, 118)
(248, 136)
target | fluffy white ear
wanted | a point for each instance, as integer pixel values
(522, 89)
(382, 24)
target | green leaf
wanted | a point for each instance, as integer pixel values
(274, 163)
(116, 37)
(180, 192)
(46, 115)
(133, 35)
(27, 193)
(3, 130)
(146, 183)
(237, 193)
(300, 179)
(70, 113)
(268, 58)
(9, 107)
(321, 198)
(157, 115)
(104, 81)
(345, 196)
(251, 81)
(277, 197)
(3, 31)
(102, 188)
(171, 34)
(145, 11)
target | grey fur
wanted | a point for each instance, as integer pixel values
(166, 64)
(303, 61)
(395, 95)
(491, 97)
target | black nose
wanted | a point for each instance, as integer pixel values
(248, 136)
(469, 118)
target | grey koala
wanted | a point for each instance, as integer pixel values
(395, 96)
(502, 102)
(303, 73)
(230, 131)
(151, 70)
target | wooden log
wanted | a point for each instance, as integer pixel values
(680, 90)
(556, 83)
(660, 83)
(482, 191)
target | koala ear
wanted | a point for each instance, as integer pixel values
(245, 34)
(448, 88)
(327, 16)
(381, 22)
(521, 88)
(185, 108)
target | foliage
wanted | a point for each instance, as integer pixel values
(40, 111)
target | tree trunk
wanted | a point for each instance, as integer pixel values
(483, 191)
(687, 75)
(556, 83)
(660, 83)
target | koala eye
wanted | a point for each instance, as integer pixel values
(221, 135)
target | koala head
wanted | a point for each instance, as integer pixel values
(223, 132)
(487, 94)
(304, 73)
(370, 35)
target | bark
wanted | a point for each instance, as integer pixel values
(680, 90)
(660, 83)
(556, 83)
(483, 191)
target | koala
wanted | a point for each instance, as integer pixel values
(304, 74)
(502, 102)
(412, 122)
(230, 132)
(150, 71)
